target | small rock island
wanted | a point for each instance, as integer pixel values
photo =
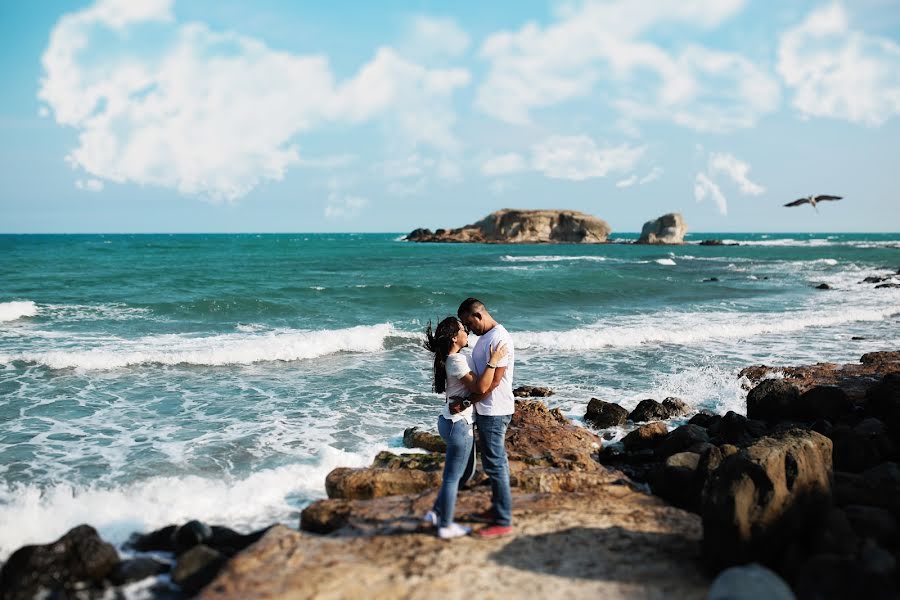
(514, 226)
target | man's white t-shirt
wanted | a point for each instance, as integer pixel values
(458, 365)
(501, 401)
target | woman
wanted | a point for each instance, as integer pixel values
(454, 377)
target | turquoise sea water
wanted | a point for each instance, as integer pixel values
(147, 379)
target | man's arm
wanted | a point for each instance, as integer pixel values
(499, 372)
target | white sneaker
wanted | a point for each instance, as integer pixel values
(453, 530)
(430, 518)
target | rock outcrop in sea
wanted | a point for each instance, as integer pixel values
(514, 226)
(667, 229)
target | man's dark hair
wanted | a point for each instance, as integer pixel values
(469, 306)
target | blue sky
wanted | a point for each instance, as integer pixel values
(220, 116)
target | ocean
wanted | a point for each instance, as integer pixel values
(149, 379)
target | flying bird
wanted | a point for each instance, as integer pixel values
(813, 200)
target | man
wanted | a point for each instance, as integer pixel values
(493, 412)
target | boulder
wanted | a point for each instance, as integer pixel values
(873, 522)
(773, 400)
(136, 569)
(704, 419)
(737, 429)
(648, 410)
(197, 567)
(681, 439)
(514, 226)
(161, 540)
(527, 391)
(367, 483)
(191, 534)
(77, 560)
(605, 414)
(414, 437)
(541, 437)
(645, 436)
(763, 496)
(325, 516)
(823, 286)
(667, 229)
(825, 402)
(749, 582)
(675, 407)
(677, 480)
(865, 445)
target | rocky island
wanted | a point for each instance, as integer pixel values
(514, 226)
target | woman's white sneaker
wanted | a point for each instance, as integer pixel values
(453, 530)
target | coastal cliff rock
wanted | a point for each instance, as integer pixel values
(513, 226)
(667, 229)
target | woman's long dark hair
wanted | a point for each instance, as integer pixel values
(439, 341)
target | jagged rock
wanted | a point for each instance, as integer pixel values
(749, 582)
(667, 229)
(605, 414)
(514, 226)
(197, 567)
(773, 400)
(76, 561)
(136, 569)
(414, 437)
(645, 436)
(757, 499)
(527, 391)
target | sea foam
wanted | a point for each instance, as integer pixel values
(10, 311)
(240, 348)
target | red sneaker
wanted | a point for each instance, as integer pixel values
(495, 531)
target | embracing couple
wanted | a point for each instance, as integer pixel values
(477, 390)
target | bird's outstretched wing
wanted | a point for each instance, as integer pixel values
(824, 197)
(798, 202)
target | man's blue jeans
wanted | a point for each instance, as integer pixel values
(492, 435)
(459, 439)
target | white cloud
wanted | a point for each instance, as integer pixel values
(504, 164)
(704, 186)
(434, 37)
(838, 72)
(578, 157)
(344, 206)
(627, 182)
(654, 174)
(592, 42)
(216, 114)
(737, 170)
(89, 185)
(734, 168)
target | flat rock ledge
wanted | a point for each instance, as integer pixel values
(514, 226)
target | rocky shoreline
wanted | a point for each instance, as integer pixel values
(807, 484)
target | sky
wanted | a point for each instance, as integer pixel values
(145, 116)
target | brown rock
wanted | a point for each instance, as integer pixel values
(538, 436)
(762, 495)
(527, 391)
(197, 567)
(353, 484)
(414, 437)
(667, 229)
(645, 436)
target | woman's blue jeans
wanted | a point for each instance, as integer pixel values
(460, 443)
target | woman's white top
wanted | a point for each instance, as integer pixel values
(458, 365)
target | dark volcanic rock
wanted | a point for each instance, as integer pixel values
(861, 447)
(136, 569)
(773, 400)
(736, 429)
(824, 402)
(873, 522)
(648, 410)
(681, 439)
(675, 407)
(413, 437)
(191, 534)
(763, 496)
(704, 419)
(161, 540)
(77, 560)
(882, 286)
(823, 286)
(677, 480)
(605, 414)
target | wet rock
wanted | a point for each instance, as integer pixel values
(681, 439)
(882, 286)
(776, 488)
(647, 410)
(749, 582)
(874, 279)
(711, 243)
(646, 436)
(325, 516)
(527, 391)
(161, 540)
(737, 429)
(197, 567)
(78, 560)
(136, 569)
(773, 400)
(711, 279)
(605, 414)
(191, 534)
(675, 407)
(414, 437)
(704, 419)
(364, 484)
(823, 286)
